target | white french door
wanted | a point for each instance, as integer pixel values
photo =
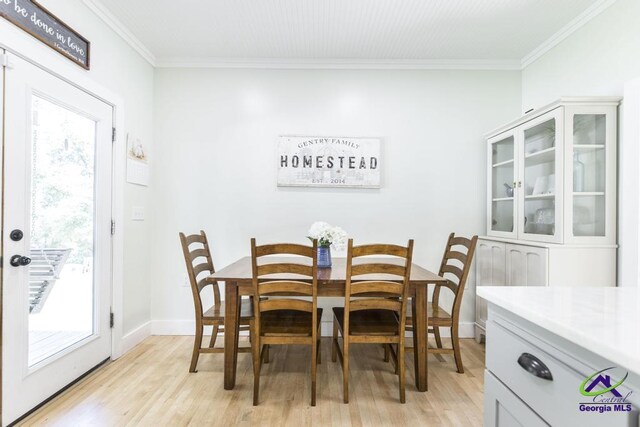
(56, 252)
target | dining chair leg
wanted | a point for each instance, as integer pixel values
(386, 353)
(214, 335)
(255, 349)
(319, 358)
(398, 355)
(436, 334)
(345, 369)
(314, 366)
(334, 341)
(252, 324)
(266, 353)
(455, 343)
(197, 343)
(401, 369)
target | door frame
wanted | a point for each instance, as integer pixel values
(15, 42)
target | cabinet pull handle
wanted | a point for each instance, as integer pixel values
(534, 366)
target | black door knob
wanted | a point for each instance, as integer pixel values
(16, 235)
(19, 260)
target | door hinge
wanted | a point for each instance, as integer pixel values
(113, 227)
(113, 134)
(4, 60)
(111, 319)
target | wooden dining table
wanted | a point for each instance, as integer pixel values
(331, 283)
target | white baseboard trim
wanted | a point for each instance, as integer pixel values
(465, 330)
(187, 327)
(179, 327)
(135, 337)
(173, 327)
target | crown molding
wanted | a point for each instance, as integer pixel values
(574, 25)
(338, 64)
(119, 28)
(347, 64)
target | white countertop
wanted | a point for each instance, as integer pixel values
(604, 320)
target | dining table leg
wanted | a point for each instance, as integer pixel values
(231, 330)
(418, 312)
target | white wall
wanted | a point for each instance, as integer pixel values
(599, 59)
(214, 165)
(119, 69)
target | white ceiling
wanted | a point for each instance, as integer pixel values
(343, 31)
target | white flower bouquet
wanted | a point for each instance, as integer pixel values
(327, 235)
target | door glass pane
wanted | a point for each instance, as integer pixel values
(539, 178)
(62, 229)
(589, 133)
(502, 182)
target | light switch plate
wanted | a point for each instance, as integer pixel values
(138, 213)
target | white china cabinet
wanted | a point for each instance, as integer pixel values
(551, 190)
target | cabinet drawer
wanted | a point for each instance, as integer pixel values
(502, 408)
(557, 399)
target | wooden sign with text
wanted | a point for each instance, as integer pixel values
(46, 27)
(313, 161)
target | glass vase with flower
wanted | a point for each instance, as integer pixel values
(327, 236)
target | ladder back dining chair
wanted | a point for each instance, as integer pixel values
(285, 303)
(374, 311)
(455, 266)
(197, 257)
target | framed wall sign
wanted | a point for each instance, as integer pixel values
(318, 161)
(46, 27)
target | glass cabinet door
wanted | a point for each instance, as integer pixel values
(551, 175)
(540, 183)
(502, 185)
(589, 174)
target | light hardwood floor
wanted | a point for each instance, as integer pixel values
(151, 386)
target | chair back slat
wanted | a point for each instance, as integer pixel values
(375, 304)
(282, 286)
(204, 282)
(457, 263)
(286, 268)
(380, 249)
(378, 287)
(284, 248)
(452, 269)
(462, 241)
(378, 268)
(195, 238)
(285, 304)
(198, 253)
(451, 285)
(457, 255)
(200, 268)
(196, 246)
